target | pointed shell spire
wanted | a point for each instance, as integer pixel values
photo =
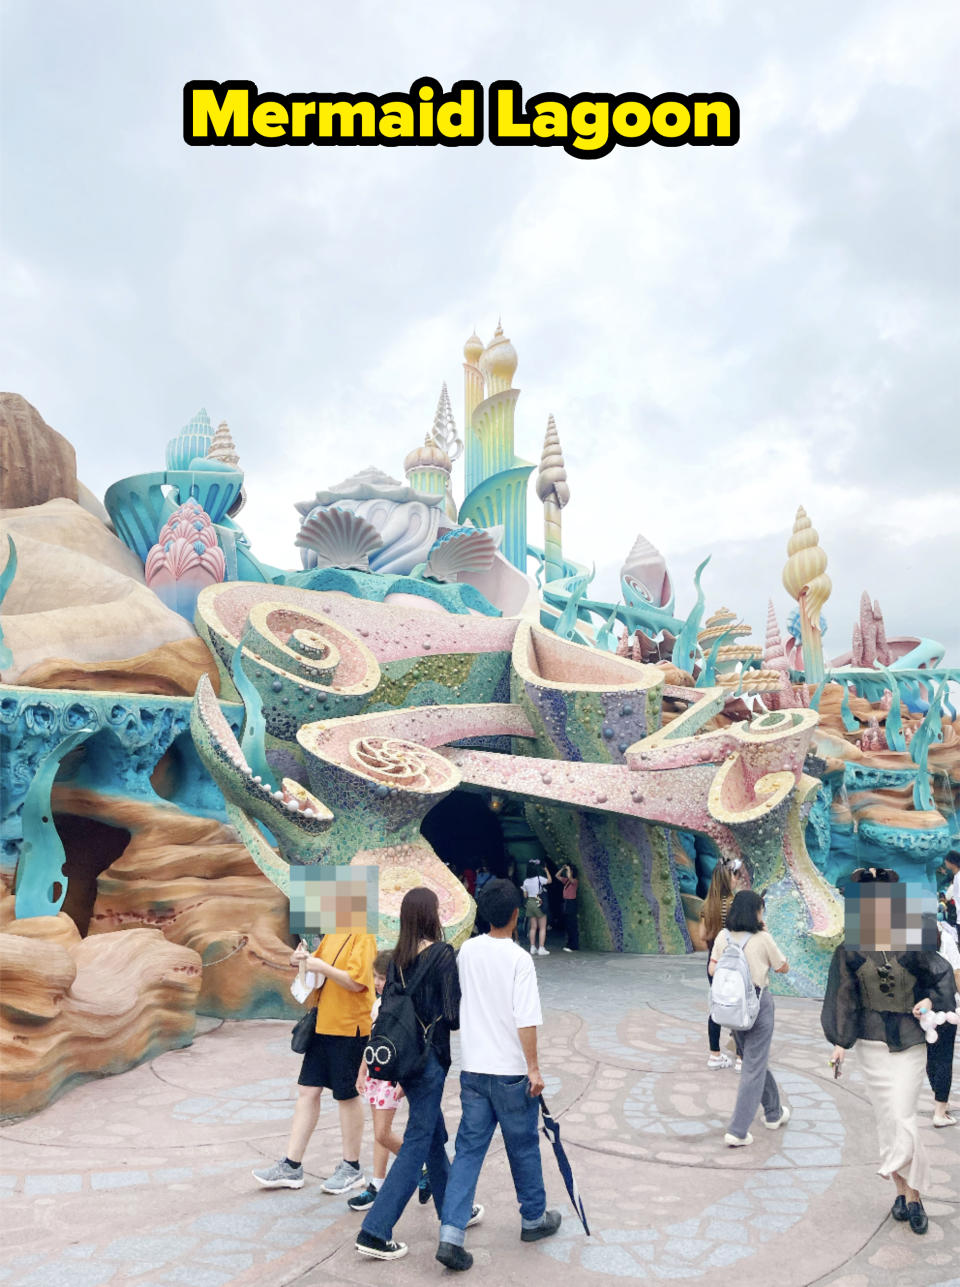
(223, 447)
(644, 577)
(444, 430)
(805, 579)
(805, 572)
(774, 656)
(552, 478)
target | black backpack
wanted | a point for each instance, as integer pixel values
(399, 1045)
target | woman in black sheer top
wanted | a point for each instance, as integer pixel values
(876, 996)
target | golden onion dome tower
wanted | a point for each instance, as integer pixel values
(499, 363)
(473, 350)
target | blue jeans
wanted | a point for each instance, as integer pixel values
(423, 1141)
(487, 1100)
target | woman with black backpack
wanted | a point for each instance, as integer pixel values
(423, 969)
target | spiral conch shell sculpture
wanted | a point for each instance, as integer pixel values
(805, 579)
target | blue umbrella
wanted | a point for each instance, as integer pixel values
(552, 1132)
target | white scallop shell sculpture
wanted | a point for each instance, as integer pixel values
(339, 539)
(465, 550)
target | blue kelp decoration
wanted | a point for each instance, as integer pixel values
(40, 867)
(6, 580)
(930, 731)
(253, 739)
(894, 724)
(685, 647)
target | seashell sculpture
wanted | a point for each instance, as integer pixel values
(644, 577)
(338, 538)
(186, 558)
(554, 491)
(444, 430)
(774, 654)
(193, 441)
(805, 579)
(223, 448)
(465, 549)
(552, 478)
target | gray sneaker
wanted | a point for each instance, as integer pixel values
(280, 1176)
(344, 1178)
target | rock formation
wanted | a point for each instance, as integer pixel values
(78, 593)
(172, 670)
(36, 463)
(72, 1008)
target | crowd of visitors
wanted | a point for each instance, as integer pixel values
(383, 1024)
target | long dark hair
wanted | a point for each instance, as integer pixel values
(419, 919)
(746, 912)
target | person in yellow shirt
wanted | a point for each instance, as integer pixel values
(344, 1002)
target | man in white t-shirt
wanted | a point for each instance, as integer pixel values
(501, 1082)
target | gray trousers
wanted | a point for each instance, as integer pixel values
(756, 1081)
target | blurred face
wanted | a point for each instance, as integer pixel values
(331, 900)
(890, 918)
(379, 982)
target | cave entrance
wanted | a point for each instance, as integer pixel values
(90, 847)
(465, 831)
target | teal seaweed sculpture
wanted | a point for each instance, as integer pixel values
(685, 647)
(930, 731)
(40, 869)
(6, 580)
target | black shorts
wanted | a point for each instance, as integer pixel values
(333, 1062)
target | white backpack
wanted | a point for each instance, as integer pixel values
(734, 1002)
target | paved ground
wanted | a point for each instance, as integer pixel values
(145, 1178)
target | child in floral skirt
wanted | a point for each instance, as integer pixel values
(384, 1100)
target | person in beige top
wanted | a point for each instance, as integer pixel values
(761, 952)
(757, 1086)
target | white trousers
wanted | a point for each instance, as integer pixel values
(894, 1081)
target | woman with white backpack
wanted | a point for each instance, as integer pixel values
(745, 940)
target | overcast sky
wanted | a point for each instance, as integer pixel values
(721, 333)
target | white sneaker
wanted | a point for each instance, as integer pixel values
(739, 1064)
(344, 1178)
(720, 1061)
(781, 1120)
(734, 1141)
(568, 949)
(542, 951)
(533, 950)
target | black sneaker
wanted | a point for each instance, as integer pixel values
(547, 1226)
(454, 1257)
(423, 1187)
(899, 1208)
(917, 1217)
(379, 1248)
(363, 1200)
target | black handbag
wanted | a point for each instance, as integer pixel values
(303, 1030)
(306, 1025)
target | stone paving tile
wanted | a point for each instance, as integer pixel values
(146, 1177)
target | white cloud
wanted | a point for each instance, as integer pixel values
(722, 334)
